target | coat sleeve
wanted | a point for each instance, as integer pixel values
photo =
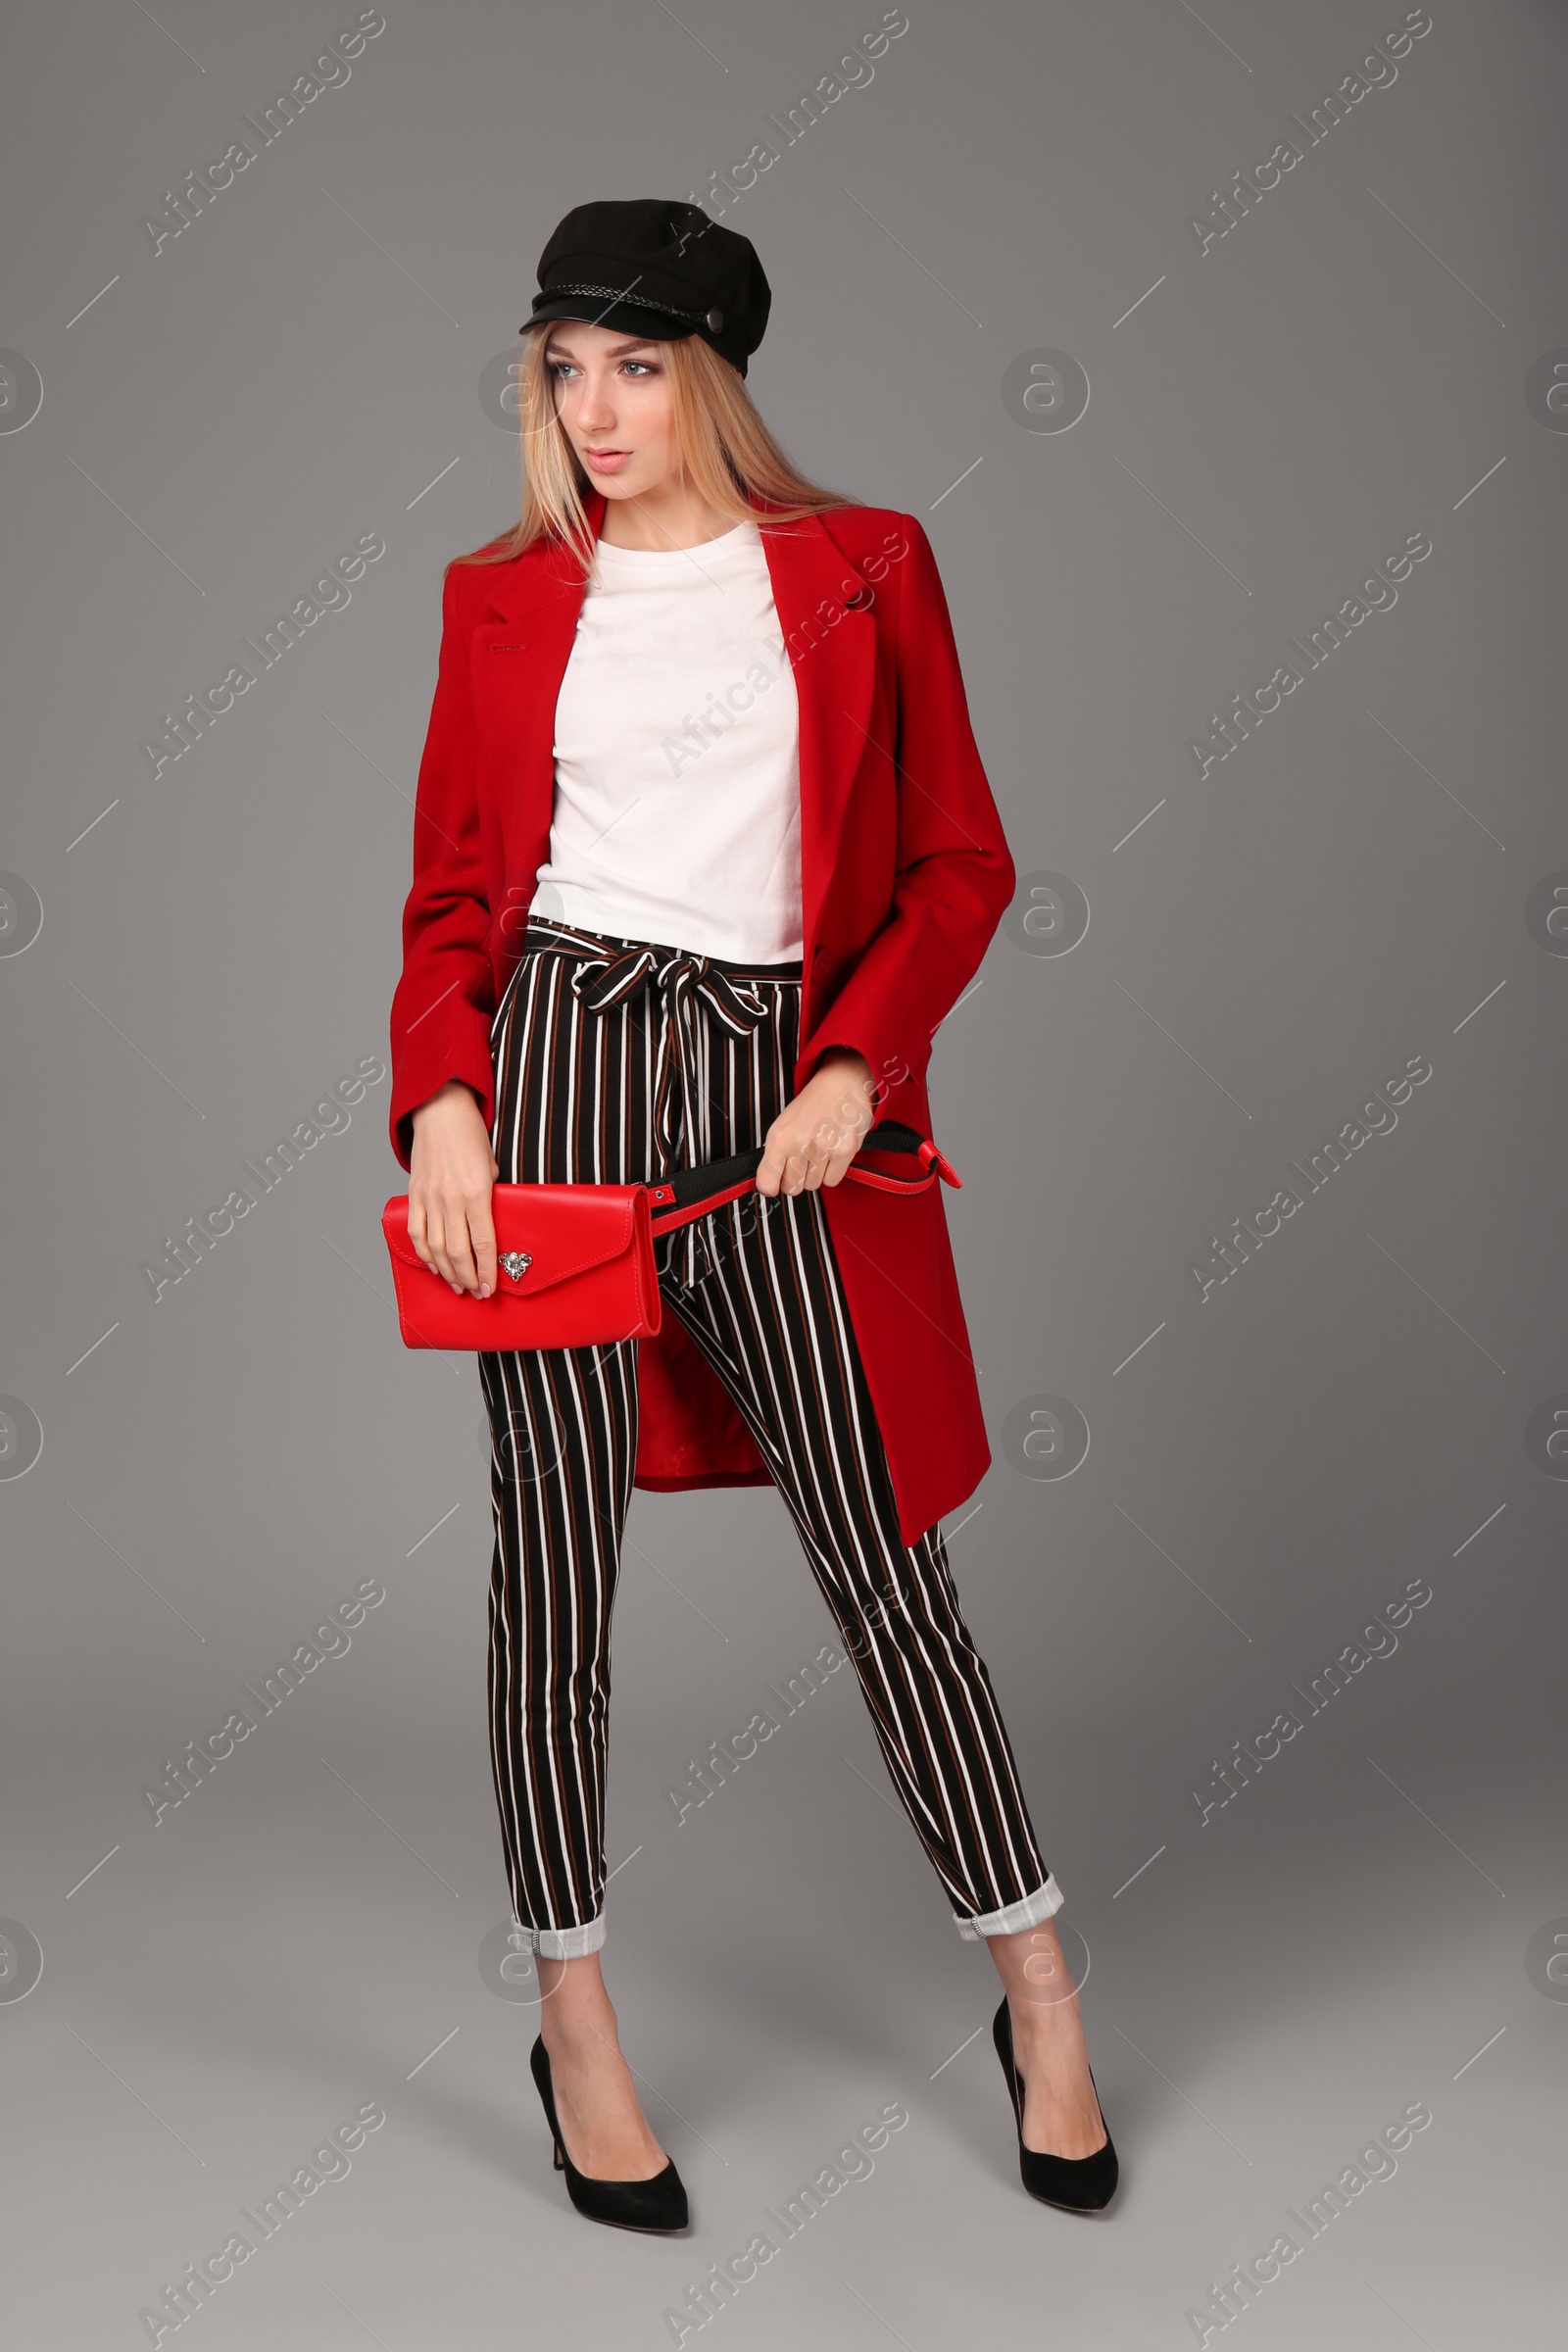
(445, 999)
(952, 872)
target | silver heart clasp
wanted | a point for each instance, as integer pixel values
(514, 1262)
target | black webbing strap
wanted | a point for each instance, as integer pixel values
(678, 1199)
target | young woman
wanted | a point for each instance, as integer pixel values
(704, 854)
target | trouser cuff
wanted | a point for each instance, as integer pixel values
(1026, 1914)
(566, 1943)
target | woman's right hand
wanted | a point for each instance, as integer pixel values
(451, 1172)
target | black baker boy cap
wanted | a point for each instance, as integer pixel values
(658, 271)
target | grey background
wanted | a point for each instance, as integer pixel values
(1342, 1416)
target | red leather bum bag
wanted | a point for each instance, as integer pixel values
(575, 1261)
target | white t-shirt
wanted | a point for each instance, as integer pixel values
(677, 789)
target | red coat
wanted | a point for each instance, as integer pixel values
(904, 873)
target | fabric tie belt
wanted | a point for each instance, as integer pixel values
(680, 981)
(676, 975)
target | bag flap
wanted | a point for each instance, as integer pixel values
(557, 1229)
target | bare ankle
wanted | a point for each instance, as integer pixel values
(1031, 2016)
(574, 2004)
(579, 2028)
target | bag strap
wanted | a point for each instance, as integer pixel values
(689, 1194)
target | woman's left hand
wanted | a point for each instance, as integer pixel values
(815, 1137)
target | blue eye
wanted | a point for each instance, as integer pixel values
(560, 368)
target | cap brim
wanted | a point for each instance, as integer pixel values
(623, 317)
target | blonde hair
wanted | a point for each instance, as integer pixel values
(726, 453)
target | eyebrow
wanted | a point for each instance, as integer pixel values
(632, 343)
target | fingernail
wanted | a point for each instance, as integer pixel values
(484, 1289)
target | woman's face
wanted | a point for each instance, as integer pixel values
(612, 394)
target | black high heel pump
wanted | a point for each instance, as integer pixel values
(1077, 2183)
(656, 2204)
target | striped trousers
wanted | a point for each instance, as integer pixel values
(616, 1063)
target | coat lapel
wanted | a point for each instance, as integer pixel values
(522, 643)
(832, 647)
(517, 656)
